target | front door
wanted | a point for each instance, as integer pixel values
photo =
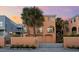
(7, 41)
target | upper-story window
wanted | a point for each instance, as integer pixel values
(50, 29)
(78, 17)
(1, 32)
(39, 30)
(25, 29)
(50, 18)
(74, 20)
(78, 29)
(71, 21)
(1, 23)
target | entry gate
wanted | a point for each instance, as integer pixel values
(7, 41)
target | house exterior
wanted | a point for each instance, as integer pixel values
(46, 33)
(72, 38)
(7, 26)
(74, 25)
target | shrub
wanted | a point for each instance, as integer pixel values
(1, 47)
(73, 47)
(17, 46)
(27, 46)
(21, 46)
(13, 46)
(33, 47)
(72, 35)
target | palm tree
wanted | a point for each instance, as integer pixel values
(66, 28)
(32, 16)
(25, 18)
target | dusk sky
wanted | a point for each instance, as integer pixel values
(61, 11)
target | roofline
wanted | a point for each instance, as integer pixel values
(10, 20)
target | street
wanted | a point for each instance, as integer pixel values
(58, 47)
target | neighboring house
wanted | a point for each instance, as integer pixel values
(47, 31)
(74, 25)
(7, 26)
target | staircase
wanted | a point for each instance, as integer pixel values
(50, 45)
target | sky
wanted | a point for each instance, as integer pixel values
(65, 12)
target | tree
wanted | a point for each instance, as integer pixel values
(32, 16)
(66, 28)
(59, 30)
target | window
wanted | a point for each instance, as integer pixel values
(78, 17)
(49, 18)
(67, 29)
(25, 29)
(71, 21)
(78, 29)
(39, 30)
(74, 20)
(1, 32)
(1, 23)
(74, 30)
(50, 29)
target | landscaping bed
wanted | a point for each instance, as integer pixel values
(73, 47)
(72, 35)
(23, 46)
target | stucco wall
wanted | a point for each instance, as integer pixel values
(31, 40)
(2, 42)
(23, 41)
(46, 39)
(74, 24)
(47, 23)
(71, 41)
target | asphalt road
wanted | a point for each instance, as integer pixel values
(39, 50)
(43, 48)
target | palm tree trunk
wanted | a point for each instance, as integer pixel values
(34, 31)
(28, 30)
